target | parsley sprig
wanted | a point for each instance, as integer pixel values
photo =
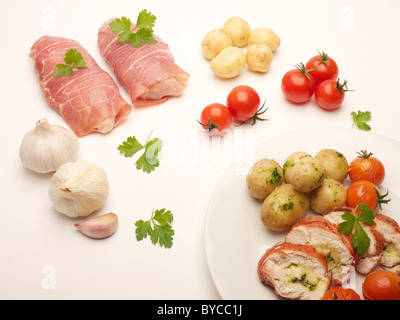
(73, 59)
(148, 161)
(360, 239)
(158, 227)
(143, 30)
(360, 119)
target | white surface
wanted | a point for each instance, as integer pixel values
(36, 241)
(235, 236)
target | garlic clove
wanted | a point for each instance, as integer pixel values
(78, 188)
(99, 227)
(46, 147)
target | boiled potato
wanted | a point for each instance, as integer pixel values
(283, 208)
(266, 36)
(263, 177)
(229, 63)
(214, 42)
(304, 172)
(290, 162)
(259, 57)
(335, 163)
(329, 195)
(239, 31)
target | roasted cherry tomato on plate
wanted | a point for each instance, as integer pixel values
(243, 102)
(329, 94)
(340, 293)
(364, 191)
(322, 67)
(215, 118)
(381, 285)
(367, 167)
(298, 85)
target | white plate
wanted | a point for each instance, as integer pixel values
(235, 238)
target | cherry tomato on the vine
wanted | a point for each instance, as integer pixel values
(243, 102)
(340, 293)
(381, 285)
(323, 67)
(367, 167)
(363, 191)
(215, 118)
(329, 94)
(298, 85)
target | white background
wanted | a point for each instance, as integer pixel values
(36, 241)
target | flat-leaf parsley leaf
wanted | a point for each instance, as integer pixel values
(142, 32)
(158, 228)
(72, 59)
(148, 161)
(360, 119)
(360, 239)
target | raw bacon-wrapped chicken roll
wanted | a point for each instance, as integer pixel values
(149, 73)
(295, 271)
(89, 100)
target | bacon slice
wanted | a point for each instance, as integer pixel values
(149, 73)
(89, 100)
(323, 235)
(294, 271)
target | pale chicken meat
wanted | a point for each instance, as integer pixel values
(390, 230)
(295, 271)
(336, 247)
(149, 73)
(89, 100)
(373, 256)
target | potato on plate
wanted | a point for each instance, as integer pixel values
(263, 177)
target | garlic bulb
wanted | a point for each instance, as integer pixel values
(78, 188)
(46, 147)
(99, 227)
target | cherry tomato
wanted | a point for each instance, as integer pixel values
(381, 285)
(366, 167)
(215, 118)
(329, 94)
(322, 67)
(243, 102)
(298, 85)
(363, 191)
(340, 293)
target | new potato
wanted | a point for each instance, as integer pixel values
(259, 57)
(263, 177)
(283, 208)
(229, 63)
(239, 31)
(214, 42)
(335, 163)
(303, 172)
(266, 36)
(328, 196)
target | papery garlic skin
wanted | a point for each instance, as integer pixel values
(78, 188)
(99, 227)
(46, 147)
